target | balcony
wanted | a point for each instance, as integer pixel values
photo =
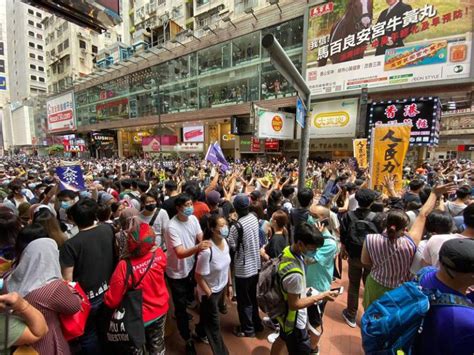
(242, 5)
(203, 6)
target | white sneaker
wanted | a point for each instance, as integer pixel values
(267, 322)
(272, 337)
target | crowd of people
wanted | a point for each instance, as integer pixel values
(186, 234)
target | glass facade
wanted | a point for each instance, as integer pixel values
(228, 73)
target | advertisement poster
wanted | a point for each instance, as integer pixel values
(60, 112)
(277, 125)
(360, 152)
(421, 114)
(333, 119)
(3, 83)
(151, 144)
(354, 44)
(389, 146)
(193, 134)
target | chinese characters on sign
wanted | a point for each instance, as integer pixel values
(71, 178)
(60, 112)
(360, 152)
(422, 114)
(389, 146)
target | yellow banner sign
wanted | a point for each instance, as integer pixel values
(389, 146)
(360, 152)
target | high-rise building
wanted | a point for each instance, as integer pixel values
(23, 53)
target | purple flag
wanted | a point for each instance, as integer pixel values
(220, 156)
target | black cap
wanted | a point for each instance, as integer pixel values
(458, 255)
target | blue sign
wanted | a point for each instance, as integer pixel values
(71, 178)
(300, 112)
(3, 83)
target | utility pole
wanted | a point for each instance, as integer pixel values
(285, 66)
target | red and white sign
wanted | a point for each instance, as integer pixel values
(60, 112)
(74, 148)
(193, 134)
(272, 144)
(151, 144)
(255, 145)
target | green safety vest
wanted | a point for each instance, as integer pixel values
(289, 265)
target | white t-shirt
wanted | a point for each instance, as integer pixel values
(160, 224)
(417, 263)
(334, 224)
(185, 234)
(431, 251)
(353, 204)
(216, 272)
(296, 284)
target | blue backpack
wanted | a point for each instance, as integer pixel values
(392, 322)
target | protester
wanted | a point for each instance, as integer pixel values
(148, 264)
(155, 216)
(37, 277)
(212, 276)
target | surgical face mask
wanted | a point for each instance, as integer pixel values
(188, 211)
(66, 204)
(150, 207)
(224, 231)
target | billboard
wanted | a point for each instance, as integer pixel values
(421, 114)
(276, 125)
(193, 134)
(3, 83)
(334, 119)
(354, 44)
(60, 113)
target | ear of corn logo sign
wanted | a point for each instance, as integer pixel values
(277, 123)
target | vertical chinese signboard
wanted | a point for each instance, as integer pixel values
(422, 114)
(60, 112)
(360, 152)
(354, 44)
(389, 147)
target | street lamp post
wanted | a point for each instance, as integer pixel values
(285, 66)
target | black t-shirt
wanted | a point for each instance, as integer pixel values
(91, 253)
(170, 207)
(276, 245)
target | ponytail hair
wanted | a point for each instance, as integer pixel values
(211, 225)
(397, 221)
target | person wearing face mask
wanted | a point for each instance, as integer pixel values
(184, 241)
(16, 195)
(66, 199)
(154, 216)
(212, 276)
(293, 326)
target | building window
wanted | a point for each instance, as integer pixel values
(31, 12)
(31, 33)
(39, 46)
(38, 14)
(32, 66)
(31, 44)
(41, 79)
(2, 49)
(40, 57)
(2, 66)
(39, 25)
(32, 55)
(60, 47)
(82, 44)
(53, 52)
(66, 44)
(31, 23)
(41, 68)
(33, 77)
(39, 36)
(94, 49)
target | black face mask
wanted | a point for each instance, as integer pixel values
(150, 207)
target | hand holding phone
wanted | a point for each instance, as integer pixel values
(340, 290)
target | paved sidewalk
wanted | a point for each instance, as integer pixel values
(338, 337)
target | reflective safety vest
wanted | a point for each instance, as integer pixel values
(289, 265)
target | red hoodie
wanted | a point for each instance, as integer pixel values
(153, 286)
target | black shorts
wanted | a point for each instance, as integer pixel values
(315, 314)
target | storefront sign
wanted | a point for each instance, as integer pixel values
(60, 113)
(75, 148)
(389, 146)
(278, 125)
(193, 134)
(334, 119)
(272, 144)
(151, 144)
(255, 145)
(360, 152)
(189, 148)
(466, 148)
(365, 44)
(422, 114)
(103, 137)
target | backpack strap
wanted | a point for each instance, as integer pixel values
(448, 299)
(240, 238)
(155, 215)
(130, 272)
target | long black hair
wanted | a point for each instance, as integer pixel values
(211, 225)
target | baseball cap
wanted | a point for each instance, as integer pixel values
(213, 197)
(255, 195)
(241, 201)
(458, 255)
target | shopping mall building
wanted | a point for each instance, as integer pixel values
(196, 90)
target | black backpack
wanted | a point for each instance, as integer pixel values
(358, 230)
